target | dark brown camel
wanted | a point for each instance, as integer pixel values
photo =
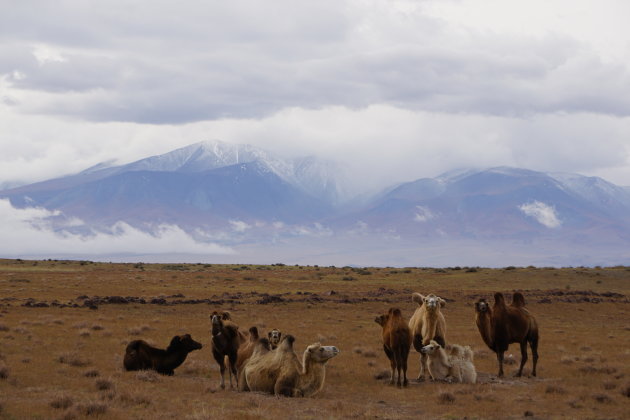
(226, 339)
(396, 343)
(502, 325)
(140, 355)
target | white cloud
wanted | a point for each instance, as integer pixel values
(543, 213)
(29, 232)
(422, 214)
(45, 54)
(239, 225)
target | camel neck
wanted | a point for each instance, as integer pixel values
(312, 378)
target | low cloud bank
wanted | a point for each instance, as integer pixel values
(30, 231)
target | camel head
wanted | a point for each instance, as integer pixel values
(381, 319)
(430, 348)
(274, 337)
(184, 342)
(319, 353)
(482, 307)
(432, 302)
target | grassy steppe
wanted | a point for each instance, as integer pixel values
(61, 359)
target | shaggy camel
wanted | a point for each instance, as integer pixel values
(280, 372)
(502, 325)
(245, 350)
(396, 343)
(274, 337)
(226, 340)
(454, 363)
(140, 355)
(427, 323)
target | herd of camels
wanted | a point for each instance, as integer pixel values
(269, 364)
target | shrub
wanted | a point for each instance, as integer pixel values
(92, 408)
(104, 384)
(62, 401)
(445, 398)
(72, 359)
(4, 372)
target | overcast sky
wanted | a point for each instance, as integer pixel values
(397, 90)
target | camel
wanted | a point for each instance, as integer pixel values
(454, 363)
(226, 340)
(245, 351)
(396, 343)
(502, 325)
(274, 337)
(427, 323)
(140, 355)
(280, 372)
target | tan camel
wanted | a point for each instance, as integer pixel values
(280, 372)
(427, 323)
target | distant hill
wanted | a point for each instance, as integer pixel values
(239, 195)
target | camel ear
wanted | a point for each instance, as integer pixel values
(442, 302)
(226, 316)
(418, 298)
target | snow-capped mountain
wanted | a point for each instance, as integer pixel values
(241, 195)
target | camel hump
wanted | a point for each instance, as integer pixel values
(395, 312)
(499, 299)
(133, 346)
(418, 298)
(253, 333)
(518, 299)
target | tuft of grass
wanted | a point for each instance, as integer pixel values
(147, 376)
(104, 384)
(555, 389)
(602, 398)
(4, 372)
(444, 397)
(625, 391)
(62, 402)
(84, 333)
(73, 359)
(92, 408)
(97, 327)
(3, 327)
(91, 373)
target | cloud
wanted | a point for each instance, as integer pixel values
(30, 231)
(247, 60)
(422, 214)
(543, 213)
(239, 225)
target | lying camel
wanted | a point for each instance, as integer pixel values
(140, 355)
(246, 349)
(454, 363)
(280, 372)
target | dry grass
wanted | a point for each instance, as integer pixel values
(583, 368)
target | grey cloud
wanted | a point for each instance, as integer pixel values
(161, 63)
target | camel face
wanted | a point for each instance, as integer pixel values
(274, 337)
(430, 348)
(481, 306)
(189, 344)
(381, 319)
(432, 302)
(322, 353)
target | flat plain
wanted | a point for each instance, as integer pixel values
(64, 326)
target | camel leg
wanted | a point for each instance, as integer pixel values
(398, 368)
(534, 346)
(423, 364)
(523, 357)
(404, 369)
(392, 364)
(232, 360)
(500, 359)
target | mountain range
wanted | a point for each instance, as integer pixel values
(239, 195)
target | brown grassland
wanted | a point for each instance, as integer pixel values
(64, 326)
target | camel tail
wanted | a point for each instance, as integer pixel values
(518, 300)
